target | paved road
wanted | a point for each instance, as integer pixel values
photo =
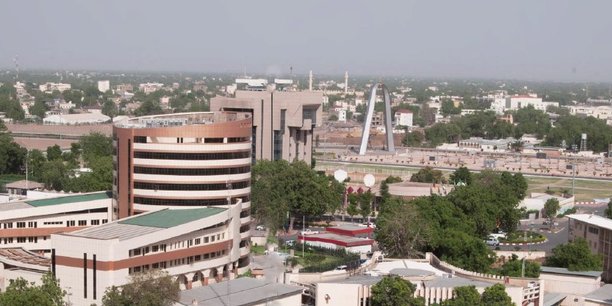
(561, 233)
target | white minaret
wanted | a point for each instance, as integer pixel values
(310, 81)
(346, 82)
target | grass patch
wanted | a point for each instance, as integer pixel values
(320, 259)
(258, 249)
(519, 237)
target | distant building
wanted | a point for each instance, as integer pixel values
(104, 86)
(403, 117)
(283, 121)
(342, 115)
(148, 88)
(76, 119)
(597, 231)
(21, 187)
(536, 201)
(51, 87)
(501, 104)
(122, 88)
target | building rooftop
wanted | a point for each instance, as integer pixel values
(22, 256)
(181, 119)
(146, 223)
(14, 205)
(453, 282)
(565, 271)
(593, 220)
(240, 291)
(168, 218)
(23, 184)
(601, 295)
(553, 298)
(71, 199)
(347, 241)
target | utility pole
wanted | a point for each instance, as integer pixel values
(303, 238)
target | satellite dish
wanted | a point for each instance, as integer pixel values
(369, 180)
(340, 175)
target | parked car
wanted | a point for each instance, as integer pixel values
(260, 228)
(309, 232)
(547, 222)
(290, 243)
(341, 268)
(492, 242)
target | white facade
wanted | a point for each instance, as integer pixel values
(197, 246)
(342, 115)
(75, 119)
(148, 88)
(501, 104)
(599, 112)
(403, 118)
(104, 86)
(29, 224)
(50, 87)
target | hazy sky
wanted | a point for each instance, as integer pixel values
(543, 40)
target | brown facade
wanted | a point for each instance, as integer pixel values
(142, 260)
(226, 126)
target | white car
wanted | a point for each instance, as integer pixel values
(260, 228)
(308, 232)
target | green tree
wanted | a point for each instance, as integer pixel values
(395, 291)
(53, 174)
(575, 256)
(20, 292)
(551, 208)
(428, 175)
(462, 174)
(514, 268)
(464, 296)
(109, 108)
(95, 145)
(365, 203)
(448, 108)
(496, 296)
(413, 139)
(352, 209)
(400, 230)
(151, 288)
(54, 152)
(465, 251)
(279, 187)
(12, 155)
(608, 210)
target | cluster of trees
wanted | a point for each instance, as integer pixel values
(282, 190)
(428, 175)
(396, 291)
(567, 130)
(575, 256)
(21, 292)
(151, 288)
(360, 204)
(9, 103)
(12, 155)
(453, 227)
(514, 268)
(56, 169)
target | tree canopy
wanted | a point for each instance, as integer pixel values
(21, 292)
(575, 256)
(514, 268)
(428, 175)
(395, 291)
(151, 288)
(280, 187)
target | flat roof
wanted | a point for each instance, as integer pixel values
(181, 119)
(168, 218)
(455, 281)
(240, 291)
(593, 220)
(347, 241)
(23, 184)
(602, 295)
(71, 199)
(565, 271)
(24, 256)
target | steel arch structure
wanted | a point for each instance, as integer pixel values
(367, 123)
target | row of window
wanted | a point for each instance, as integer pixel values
(21, 240)
(192, 156)
(177, 245)
(144, 139)
(204, 187)
(34, 224)
(185, 202)
(177, 262)
(202, 171)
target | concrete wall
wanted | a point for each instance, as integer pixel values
(570, 284)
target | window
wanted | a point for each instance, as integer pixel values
(32, 224)
(8, 225)
(21, 224)
(155, 248)
(21, 239)
(136, 252)
(104, 221)
(192, 156)
(206, 239)
(217, 186)
(218, 236)
(33, 239)
(212, 238)
(95, 222)
(70, 223)
(198, 241)
(594, 230)
(202, 171)
(82, 222)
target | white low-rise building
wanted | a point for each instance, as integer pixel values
(198, 246)
(104, 85)
(500, 104)
(403, 117)
(76, 119)
(51, 87)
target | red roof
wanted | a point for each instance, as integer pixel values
(337, 240)
(354, 231)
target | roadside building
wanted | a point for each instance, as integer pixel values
(597, 231)
(76, 119)
(403, 117)
(20, 188)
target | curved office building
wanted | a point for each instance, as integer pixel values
(186, 160)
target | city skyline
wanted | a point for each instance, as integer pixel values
(557, 41)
